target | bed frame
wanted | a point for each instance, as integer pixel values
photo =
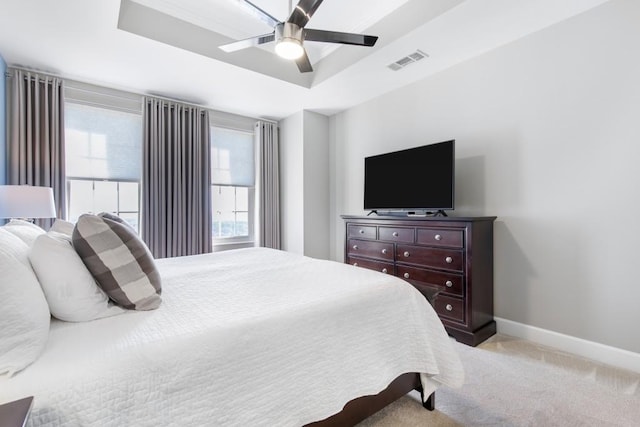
(361, 408)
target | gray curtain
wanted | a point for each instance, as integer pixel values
(35, 146)
(176, 181)
(268, 185)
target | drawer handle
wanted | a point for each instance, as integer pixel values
(406, 254)
(406, 275)
(449, 307)
(384, 270)
(384, 251)
(361, 231)
(448, 260)
(438, 237)
(355, 247)
(395, 234)
(355, 264)
(448, 283)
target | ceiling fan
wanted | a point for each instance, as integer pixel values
(291, 34)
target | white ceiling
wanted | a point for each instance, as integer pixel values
(228, 18)
(168, 47)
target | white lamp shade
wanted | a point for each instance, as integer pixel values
(26, 201)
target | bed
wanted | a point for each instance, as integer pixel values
(245, 337)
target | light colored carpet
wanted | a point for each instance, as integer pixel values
(511, 382)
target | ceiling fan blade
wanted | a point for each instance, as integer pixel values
(303, 11)
(253, 41)
(303, 63)
(337, 37)
(258, 13)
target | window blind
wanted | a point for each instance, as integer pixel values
(232, 157)
(102, 143)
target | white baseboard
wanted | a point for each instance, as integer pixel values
(588, 349)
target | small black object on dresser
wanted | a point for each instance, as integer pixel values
(449, 256)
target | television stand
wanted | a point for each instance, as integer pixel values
(439, 212)
(410, 214)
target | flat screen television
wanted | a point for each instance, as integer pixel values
(417, 180)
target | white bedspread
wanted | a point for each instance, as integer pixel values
(248, 337)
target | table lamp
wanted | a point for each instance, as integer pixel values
(26, 202)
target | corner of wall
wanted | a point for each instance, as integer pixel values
(316, 184)
(291, 183)
(333, 210)
(304, 181)
(3, 121)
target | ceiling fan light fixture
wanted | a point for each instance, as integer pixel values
(289, 48)
(289, 40)
(289, 36)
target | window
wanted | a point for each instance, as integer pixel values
(103, 154)
(232, 185)
(230, 211)
(91, 196)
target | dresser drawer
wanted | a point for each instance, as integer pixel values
(361, 231)
(447, 259)
(449, 307)
(383, 267)
(450, 283)
(370, 249)
(396, 234)
(440, 237)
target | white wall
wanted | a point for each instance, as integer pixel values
(292, 183)
(547, 136)
(304, 174)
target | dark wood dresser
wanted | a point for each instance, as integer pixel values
(449, 257)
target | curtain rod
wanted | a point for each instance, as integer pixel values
(164, 98)
(9, 74)
(38, 74)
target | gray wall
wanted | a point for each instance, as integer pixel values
(3, 120)
(547, 136)
(304, 181)
(316, 185)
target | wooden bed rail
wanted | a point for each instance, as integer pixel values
(363, 407)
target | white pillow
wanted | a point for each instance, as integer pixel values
(24, 316)
(15, 246)
(25, 230)
(62, 226)
(71, 291)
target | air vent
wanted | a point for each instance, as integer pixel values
(407, 60)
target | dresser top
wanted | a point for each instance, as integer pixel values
(418, 218)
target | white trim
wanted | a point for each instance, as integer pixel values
(220, 247)
(588, 349)
(232, 121)
(102, 97)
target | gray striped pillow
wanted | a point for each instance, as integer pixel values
(119, 261)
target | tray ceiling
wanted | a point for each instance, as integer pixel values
(170, 47)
